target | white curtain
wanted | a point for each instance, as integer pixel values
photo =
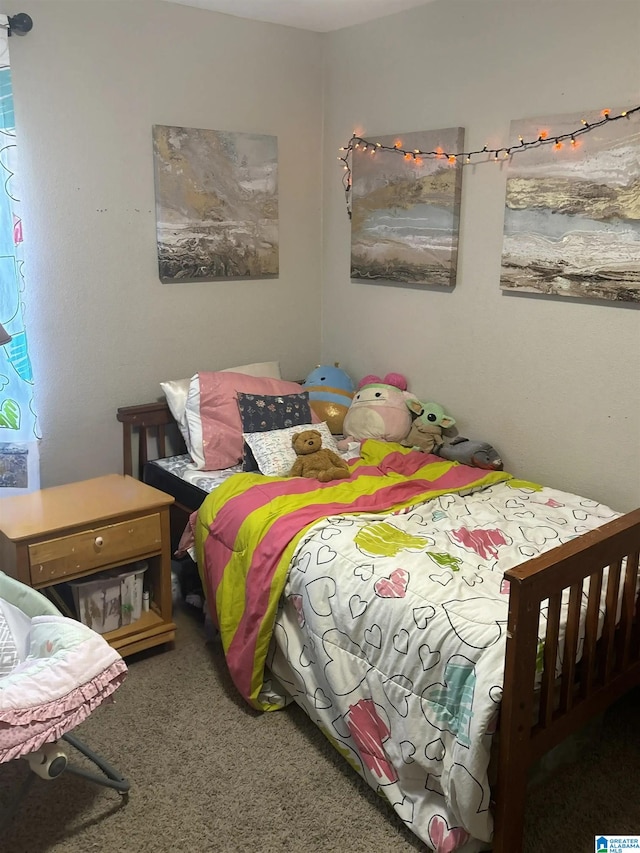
(19, 452)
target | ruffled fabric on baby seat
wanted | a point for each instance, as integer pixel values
(54, 671)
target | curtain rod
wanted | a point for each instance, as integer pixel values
(19, 24)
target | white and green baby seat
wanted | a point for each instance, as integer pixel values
(54, 671)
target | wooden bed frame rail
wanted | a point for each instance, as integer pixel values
(599, 569)
(551, 689)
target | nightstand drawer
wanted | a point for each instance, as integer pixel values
(91, 549)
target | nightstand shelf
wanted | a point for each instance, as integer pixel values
(74, 531)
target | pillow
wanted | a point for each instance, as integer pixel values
(213, 419)
(263, 412)
(274, 452)
(176, 390)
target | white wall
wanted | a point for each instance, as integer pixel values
(553, 383)
(90, 80)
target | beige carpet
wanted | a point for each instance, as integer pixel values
(208, 774)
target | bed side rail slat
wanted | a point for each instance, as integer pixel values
(634, 645)
(591, 634)
(550, 658)
(625, 630)
(610, 618)
(570, 647)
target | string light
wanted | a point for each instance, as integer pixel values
(466, 157)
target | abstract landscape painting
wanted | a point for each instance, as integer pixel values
(216, 204)
(406, 211)
(572, 214)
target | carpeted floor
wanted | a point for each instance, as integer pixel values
(208, 774)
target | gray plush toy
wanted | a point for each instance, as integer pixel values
(480, 454)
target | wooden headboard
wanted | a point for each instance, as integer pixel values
(155, 427)
(157, 436)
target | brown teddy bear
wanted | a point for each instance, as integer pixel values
(316, 461)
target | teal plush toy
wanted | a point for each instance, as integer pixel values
(330, 393)
(426, 429)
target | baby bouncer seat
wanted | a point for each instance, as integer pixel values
(54, 671)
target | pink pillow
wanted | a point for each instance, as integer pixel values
(215, 428)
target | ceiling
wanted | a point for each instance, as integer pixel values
(318, 15)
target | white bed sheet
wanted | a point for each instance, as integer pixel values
(182, 467)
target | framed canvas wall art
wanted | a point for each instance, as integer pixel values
(572, 211)
(406, 210)
(216, 204)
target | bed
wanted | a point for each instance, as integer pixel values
(436, 621)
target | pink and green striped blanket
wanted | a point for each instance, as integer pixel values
(248, 528)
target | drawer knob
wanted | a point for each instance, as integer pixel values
(99, 541)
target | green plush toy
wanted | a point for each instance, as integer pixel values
(426, 430)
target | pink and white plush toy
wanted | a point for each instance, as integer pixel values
(381, 408)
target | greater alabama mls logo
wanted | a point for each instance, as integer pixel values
(617, 843)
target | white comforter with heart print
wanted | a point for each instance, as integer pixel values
(392, 639)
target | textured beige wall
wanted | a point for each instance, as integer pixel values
(553, 383)
(90, 80)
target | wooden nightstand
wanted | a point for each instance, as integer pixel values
(69, 532)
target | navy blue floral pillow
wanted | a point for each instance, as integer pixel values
(261, 413)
